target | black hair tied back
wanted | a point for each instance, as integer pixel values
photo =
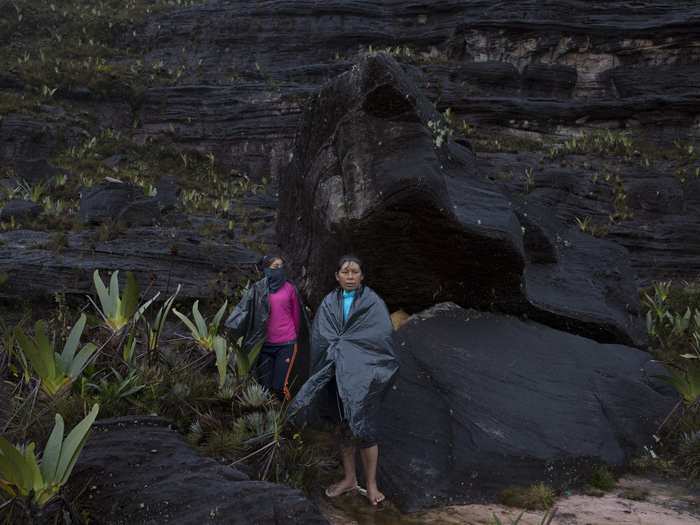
(266, 260)
(349, 259)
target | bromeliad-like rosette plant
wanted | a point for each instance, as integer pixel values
(118, 310)
(245, 361)
(202, 333)
(55, 371)
(22, 475)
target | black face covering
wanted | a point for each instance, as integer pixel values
(275, 277)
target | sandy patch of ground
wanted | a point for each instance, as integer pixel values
(635, 500)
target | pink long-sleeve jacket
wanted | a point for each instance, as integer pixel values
(283, 323)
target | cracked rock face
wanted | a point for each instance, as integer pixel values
(512, 71)
(160, 258)
(376, 173)
(486, 401)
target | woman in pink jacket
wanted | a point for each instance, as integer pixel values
(279, 350)
(270, 314)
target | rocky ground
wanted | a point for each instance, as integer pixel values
(140, 470)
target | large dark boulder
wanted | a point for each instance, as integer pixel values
(36, 170)
(19, 209)
(141, 212)
(139, 470)
(576, 282)
(375, 172)
(118, 202)
(368, 176)
(486, 401)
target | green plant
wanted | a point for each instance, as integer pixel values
(266, 437)
(621, 209)
(129, 349)
(116, 311)
(673, 319)
(586, 225)
(599, 142)
(246, 360)
(22, 476)
(689, 454)
(686, 382)
(115, 388)
(254, 395)
(202, 333)
(156, 329)
(11, 224)
(221, 442)
(29, 192)
(529, 180)
(602, 479)
(16, 361)
(56, 371)
(583, 224)
(533, 497)
(222, 350)
(441, 128)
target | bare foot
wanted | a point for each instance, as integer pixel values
(374, 496)
(342, 487)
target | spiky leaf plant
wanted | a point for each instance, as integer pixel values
(117, 310)
(23, 476)
(56, 371)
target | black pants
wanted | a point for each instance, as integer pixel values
(273, 364)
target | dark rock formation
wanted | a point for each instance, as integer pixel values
(30, 137)
(141, 212)
(138, 470)
(19, 209)
(663, 212)
(375, 173)
(503, 402)
(35, 170)
(161, 258)
(519, 69)
(123, 203)
(515, 72)
(106, 201)
(471, 54)
(167, 193)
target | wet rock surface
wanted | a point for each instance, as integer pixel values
(503, 402)
(139, 470)
(376, 173)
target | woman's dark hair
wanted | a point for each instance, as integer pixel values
(266, 260)
(349, 258)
